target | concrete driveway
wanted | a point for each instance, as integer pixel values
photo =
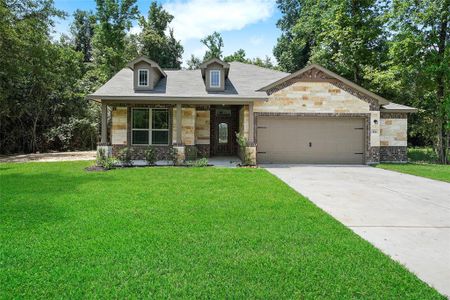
(407, 217)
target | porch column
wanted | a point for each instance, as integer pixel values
(178, 122)
(104, 140)
(250, 125)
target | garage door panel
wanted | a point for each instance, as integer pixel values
(310, 140)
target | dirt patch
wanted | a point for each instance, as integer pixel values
(49, 157)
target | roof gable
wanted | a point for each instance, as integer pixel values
(147, 60)
(317, 72)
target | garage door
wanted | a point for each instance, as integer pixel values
(310, 140)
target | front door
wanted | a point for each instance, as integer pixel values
(224, 129)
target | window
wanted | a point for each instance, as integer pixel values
(150, 126)
(223, 133)
(214, 78)
(143, 77)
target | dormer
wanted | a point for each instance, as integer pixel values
(214, 73)
(146, 73)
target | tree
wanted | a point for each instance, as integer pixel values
(109, 43)
(419, 66)
(344, 36)
(162, 48)
(39, 79)
(193, 63)
(239, 56)
(214, 43)
(82, 30)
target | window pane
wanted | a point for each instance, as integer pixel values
(140, 137)
(140, 118)
(223, 133)
(160, 119)
(143, 77)
(160, 137)
(215, 78)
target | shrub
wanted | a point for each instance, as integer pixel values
(191, 152)
(125, 157)
(202, 162)
(172, 156)
(104, 161)
(150, 155)
(242, 142)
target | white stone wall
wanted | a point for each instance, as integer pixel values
(244, 121)
(393, 132)
(119, 126)
(202, 127)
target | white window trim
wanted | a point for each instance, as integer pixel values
(210, 78)
(150, 129)
(139, 78)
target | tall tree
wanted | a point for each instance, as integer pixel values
(300, 24)
(82, 30)
(155, 43)
(109, 45)
(214, 43)
(419, 66)
(345, 36)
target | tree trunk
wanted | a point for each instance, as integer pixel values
(440, 86)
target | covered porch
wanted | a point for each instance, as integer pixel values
(195, 130)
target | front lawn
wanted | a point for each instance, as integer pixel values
(432, 171)
(180, 233)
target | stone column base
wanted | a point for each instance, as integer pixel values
(106, 149)
(181, 154)
(250, 154)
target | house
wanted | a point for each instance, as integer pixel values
(310, 116)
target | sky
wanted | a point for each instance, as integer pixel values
(246, 24)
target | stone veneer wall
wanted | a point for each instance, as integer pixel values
(119, 126)
(203, 131)
(322, 98)
(393, 137)
(244, 120)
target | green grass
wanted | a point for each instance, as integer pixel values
(432, 171)
(180, 233)
(422, 163)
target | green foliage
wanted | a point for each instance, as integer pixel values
(39, 79)
(109, 43)
(193, 63)
(398, 49)
(125, 157)
(150, 155)
(105, 161)
(239, 56)
(191, 152)
(214, 43)
(243, 142)
(172, 156)
(82, 30)
(157, 232)
(198, 163)
(155, 43)
(76, 134)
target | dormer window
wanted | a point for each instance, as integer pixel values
(214, 78)
(143, 79)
